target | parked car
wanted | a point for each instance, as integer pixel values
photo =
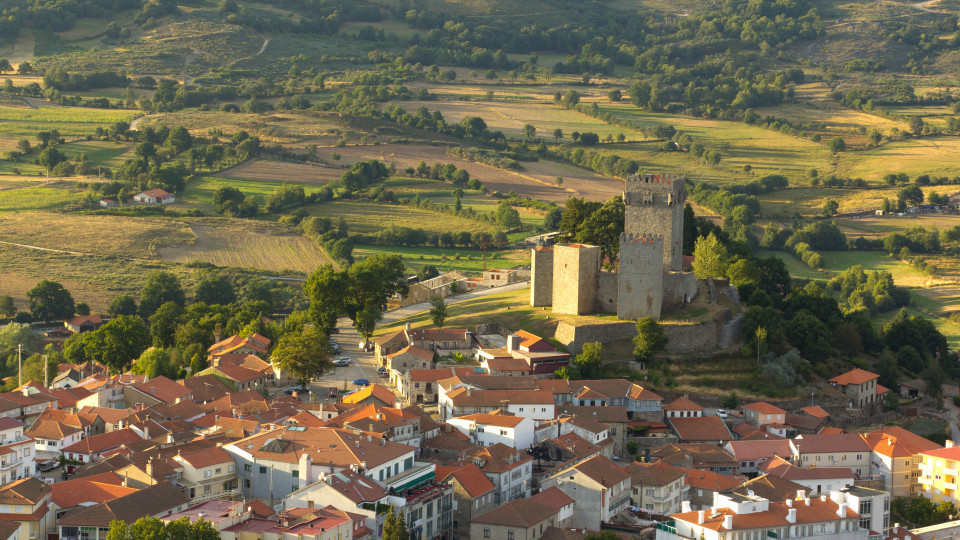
(333, 392)
(292, 389)
(722, 413)
(382, 371)
(48, 465)
(361, 382)
(345, 361)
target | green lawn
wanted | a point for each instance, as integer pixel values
(71, 122)
(199, 193)
(463, 259)
(369, 216)
(37, 198)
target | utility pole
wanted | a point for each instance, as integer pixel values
(46, 371)
(20, 364)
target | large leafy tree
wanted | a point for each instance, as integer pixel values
(50, 300)
(394, 528)
(15, 334)
(649, 340)
(305, 355)
(215, 289)
(438, 310)
(585, 365)
(709, 257)
(161, 287)
(326, 288)
(163, 324)
(114, 344)
(122, 305)
(7, 308)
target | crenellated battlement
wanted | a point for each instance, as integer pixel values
(670, 182)
(645, 238)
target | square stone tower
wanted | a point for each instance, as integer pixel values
(575, 270)
(640, 287)
(541, 276)
(654, 204)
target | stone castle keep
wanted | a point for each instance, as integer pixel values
(650, 278)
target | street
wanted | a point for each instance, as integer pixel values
(363, 364)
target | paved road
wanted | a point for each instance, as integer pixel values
(364, 363)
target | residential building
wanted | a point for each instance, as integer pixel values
(373, 394)
(237, 378)
(522, 519)
(704, 485)
(897, 457)
(916, 388)
(525, 354)
(219, 513)
(442, 341)
(682, 407)
(839, 450)
(701, 429)
(93, 522)
(762, 413)
(85, 491)
(818, 480)
(707, 457)
(587, 428)
(50, 437)
(600, 487)
(614, 417)
(752, 454)
(738, 516)
(409, 357)
(207, 474)
(83, 323)
(397, 425)
(274, 463)
(17, 452)
(473, 494)
(938, 473)
(872, 505)
(860, 386)
(155, 196)
(90, 449)
(639, 401)
(489, 429)
(537, 405)
(561, 453)
(771, 487)
(658, 488)
(418, 386)
(27, 502)
(155, 391)
(254, 344)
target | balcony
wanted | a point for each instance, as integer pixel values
(925, 480)
(950, 486)
(8, 464)
(949, 472)
(229, 494)
(412, 477)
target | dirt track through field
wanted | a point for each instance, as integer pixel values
(538, 180)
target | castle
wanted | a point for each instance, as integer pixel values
(650, 278)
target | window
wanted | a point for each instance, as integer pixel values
(648, 492)
(864, 523)
(207, 474)
(509, 535)
(503, 432)
(486, 532)
(295, 473)
(521, 409)
(866, 507)
(886, 504)
(206, 488)
(246, 467)
(230, 468)
(263, 470)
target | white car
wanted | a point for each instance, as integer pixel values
(722, 413)
(341, 362)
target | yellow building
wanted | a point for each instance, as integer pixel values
(938, 473)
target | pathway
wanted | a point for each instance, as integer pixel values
(265, 43)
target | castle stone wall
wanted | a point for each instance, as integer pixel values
(541, 277)
(640, 290)
(607, 292)
(684, 337)
(655, 203)
(679, 288)
(575, 269)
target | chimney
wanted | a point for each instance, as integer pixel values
(728, 521)
(310, 504)
(383, 441)
(408, 327)
(26, 391)
(792, 515)
(789, 503)
(685, 506)
(513, 343)
(823, 498)
(469, 391)
(150, 467)
(801, 494)
(807, 501)
(842, 510)
(948, 444)
(700, 517)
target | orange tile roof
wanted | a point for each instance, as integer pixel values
(816, 411)
(415, 350)
(894, 441)
(755, 450)
(701, 428)
(603, 471)
(659, 473)
(952, 453)
(854, 376)
(474, 482)
(96, 488)
(239, 373)
(710, 480)
(508, 364)
(553, 497)
(375, 390)
(776, 516)
(682, 403)
(207, 457)
(492, 419)
(163, 389)
(104, 441)
(527, 339)
(763, 407)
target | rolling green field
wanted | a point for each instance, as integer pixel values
(48, 197)
(199, 193)
(368, 216)
(71, 122)
(464, 259)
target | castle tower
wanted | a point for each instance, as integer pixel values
(575, 269)
(640, 287)
(541, 276)
(654, 203)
